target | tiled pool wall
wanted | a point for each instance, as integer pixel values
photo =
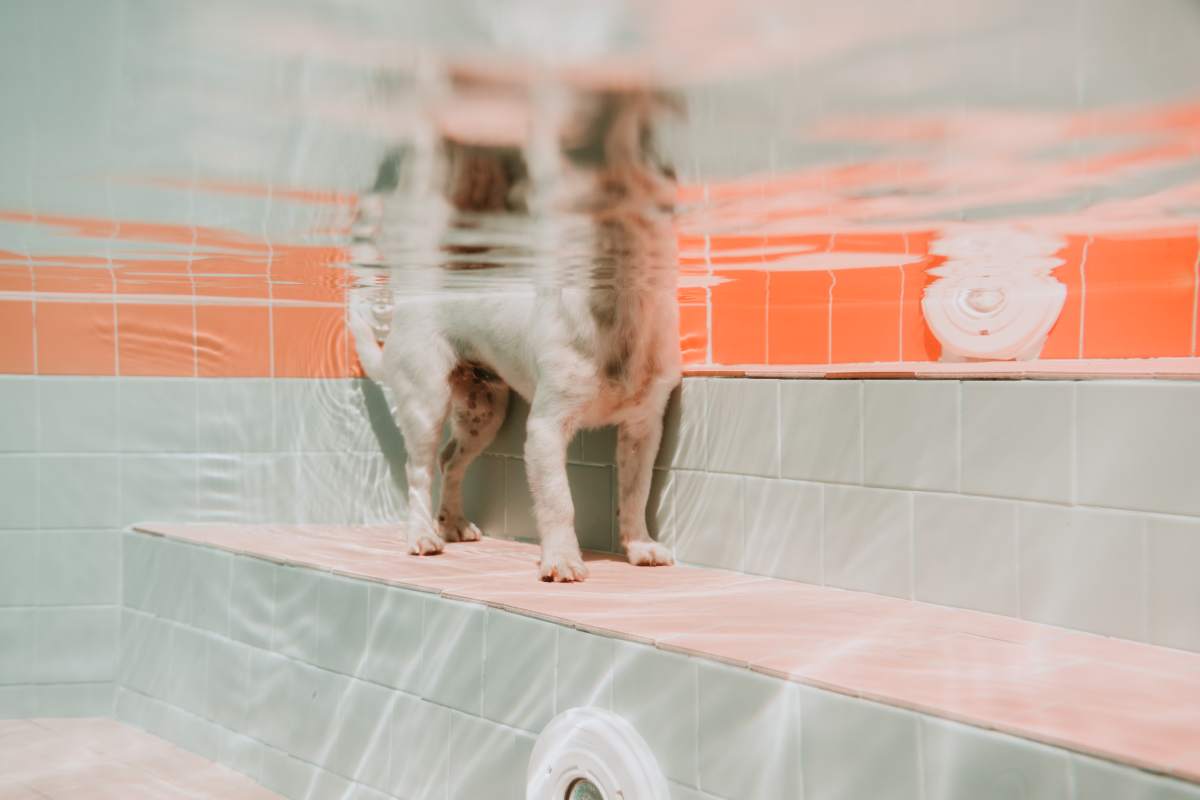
(1070, 503)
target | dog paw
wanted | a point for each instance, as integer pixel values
(460, 530)
(648, 554)
(428, 544)
(563, 567)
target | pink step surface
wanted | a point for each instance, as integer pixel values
(1132, 703)
(101, 759)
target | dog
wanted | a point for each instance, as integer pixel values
(585, 350)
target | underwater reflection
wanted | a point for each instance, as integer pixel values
(558, 190)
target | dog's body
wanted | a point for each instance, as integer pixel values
(585, 351)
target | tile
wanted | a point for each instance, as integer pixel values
(910, 434)
(76, 645)
(361, 743)
(139, 566)
(82, 339)
(685, 427)
(1173, 551)
(342, 619)
(19, 577)
(743, 427)
(19, 491)
(960, 761)
(172, 594)
(187, 670)
(592, 492)
(333, 413)
(708, 519)
(17, 702)
(317, 695)
(749, 734)
(518, 503)
(156, 488)
(598, 445)
(75, 700)
(18, 630)
(78, 415)
(660, 507)
(232, 341)
(322, 495)
(866, 540)
(158, 415)
(1136, 446)
(19, 398)
(1103, 780)
(79, 568)
(252, 601)
(145, 651)
(213, 573)
(655, 692)
(584, 673)
(1016, 439)
(296, 621)
(1082, 569)
(79, 491)
(234, 416)
(229, 688)
(420, 759)
(842, 734)
(288, 776)
(965, 553)
(519, 669)
(497, 766)
(394, 637)
(272, 714)
(309, 342)
(821, 430)
(452, 655)
(510, 439)
(156, 340)
(783, 523)
(483, 494)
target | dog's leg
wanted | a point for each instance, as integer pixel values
(548, 433)
(424, 398)
(637, 445)
(478, 406)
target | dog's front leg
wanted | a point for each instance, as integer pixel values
(637, 445)
(547, 436)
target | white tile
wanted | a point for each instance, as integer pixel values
(75, 645)
(289, 777)
(18, 631)
(252, 601)
(749, 734)
(296, 622)
(393, 650)
(158, 488)
(592, 493)
(965, 762)
(685, 427)
(323, 496)
(75, 700)
(187, 671)
(910, 434)
(1103, 780)
(518, 673)
(742, 423)
(145, 652)
(242, 754)
(1173, 551)
(234, 416)
(452, 654)
(1082, 569)
(483, 494)
(342, 614)
(158, 415)
(19, 577)
(499, 757)
(139, 563)
(317, 694)
(213, 572)
(18, 425)
(1137, 445)
(361, 740)
(77, 415)
(510, 439)
(420, 759)
(172, 593)
(584, 676)
(518, 503)
(655, 692)
(821, 430)
(853, 748)
(866, 540)
(320, 416)
(79, 491)
(78, 568)
(783, 522)
(19, 491)
(229, 687)
(271, 713)
(708, 519)
(1017, 438)
(965, 553)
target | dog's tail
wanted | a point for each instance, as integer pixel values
(370, 353)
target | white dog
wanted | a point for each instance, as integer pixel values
(584, 351)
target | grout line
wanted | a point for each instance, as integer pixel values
(958, 436)
(1083, 293)
(912, 546)
(862, 432)
(1073, 444)
(1016, 528)
(1145, 581)
(829, 318)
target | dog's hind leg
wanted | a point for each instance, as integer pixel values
(478, 403)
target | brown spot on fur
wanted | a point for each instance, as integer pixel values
(474, 432)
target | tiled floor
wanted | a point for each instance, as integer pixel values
(100, 759)
(1129, 702)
